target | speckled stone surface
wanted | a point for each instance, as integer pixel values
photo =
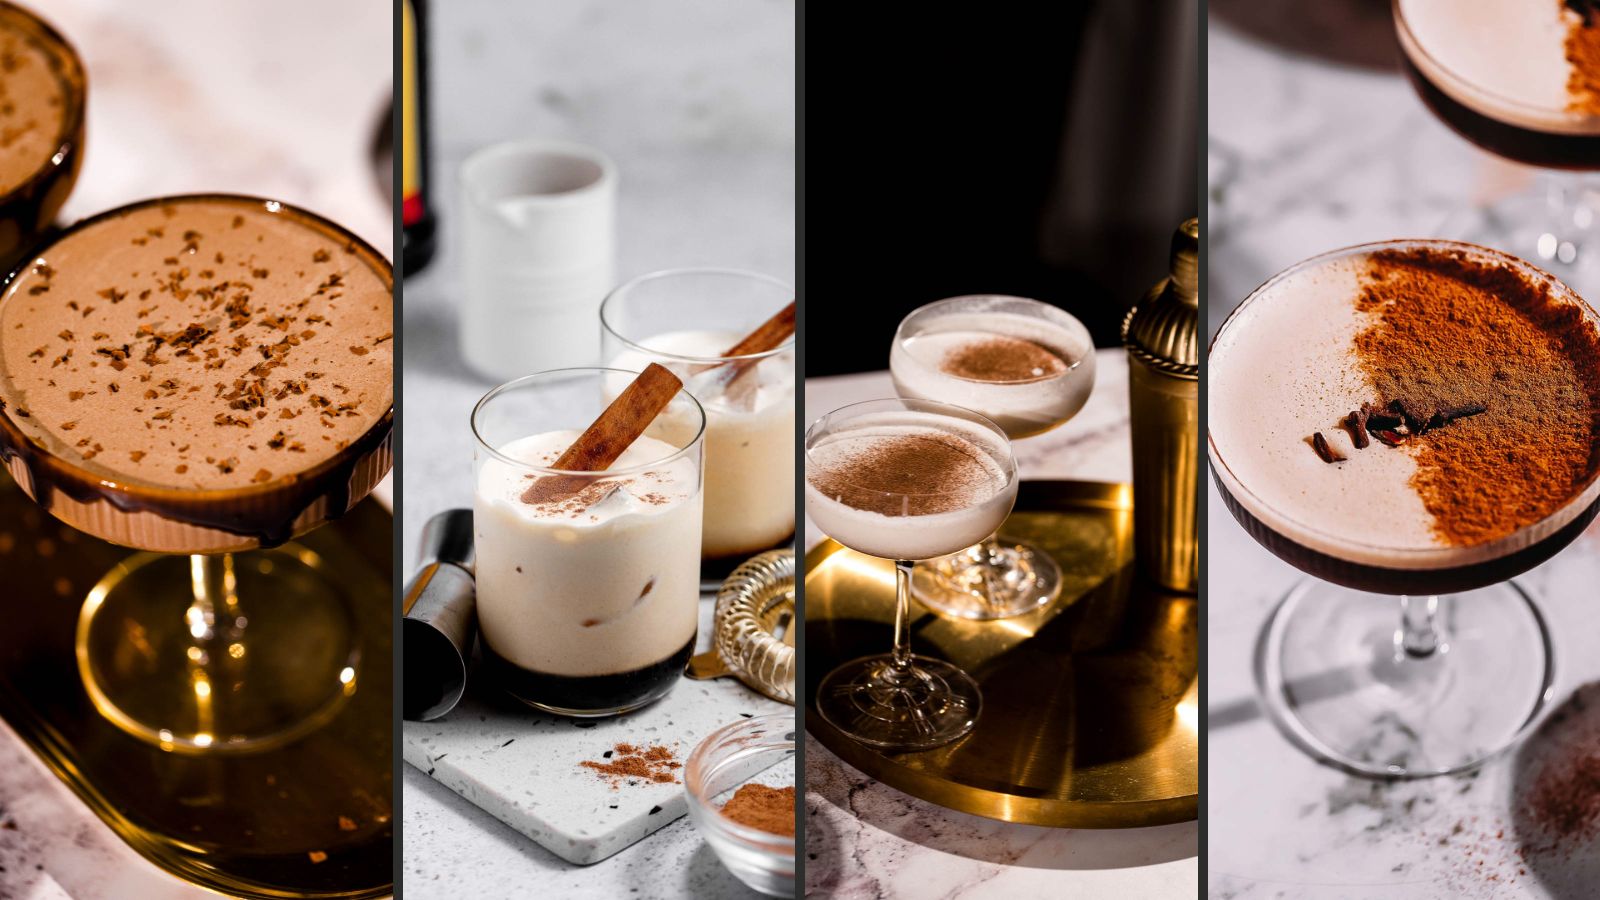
(523, 767)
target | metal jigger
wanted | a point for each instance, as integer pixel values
(440, 609)
(1162, 337)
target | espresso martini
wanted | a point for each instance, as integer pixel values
(1521, 78)
(1412, 417)
(198, 373)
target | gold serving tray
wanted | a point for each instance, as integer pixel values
(251, 826)
(1090, 705)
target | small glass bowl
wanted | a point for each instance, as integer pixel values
(729, 757)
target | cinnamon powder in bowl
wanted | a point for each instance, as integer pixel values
(743, 808)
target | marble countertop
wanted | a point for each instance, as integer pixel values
(247, 113)
(865, 839)
(1305, 156)
(702, 131)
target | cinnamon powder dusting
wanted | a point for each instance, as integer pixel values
(1447, 328)
(1583, 54)
(1003, 360)
(909, 475)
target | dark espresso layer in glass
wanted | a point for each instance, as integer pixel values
(1409, 582)
(588, 694)
(1536, 148)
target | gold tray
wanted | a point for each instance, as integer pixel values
(1090, 705)
(240, 825)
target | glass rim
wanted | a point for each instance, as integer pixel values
(1009, 464)
(615, 294)
(1073, 324)
(1579, 499)
(599, 474)
(66, 143)
(1409, 37)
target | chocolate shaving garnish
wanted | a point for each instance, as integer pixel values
(1328, 454)
(1356, 424)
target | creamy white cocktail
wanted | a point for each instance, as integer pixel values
(587, 595)
(689, 320)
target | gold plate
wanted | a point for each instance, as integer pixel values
(1090, 705)
(250, 825)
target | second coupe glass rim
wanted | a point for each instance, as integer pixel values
(1009, 463)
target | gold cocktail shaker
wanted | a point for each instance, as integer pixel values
(1163, 341)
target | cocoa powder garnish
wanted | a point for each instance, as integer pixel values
(1445, 328)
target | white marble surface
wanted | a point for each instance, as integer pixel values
(1306, 156)
(277, 99)
(865, 839)
(694, 101)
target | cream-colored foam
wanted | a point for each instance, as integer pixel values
(1505, 59)
(1021, 409)
(285, 306)
(749, 495)
(562, 591)
(912, 536)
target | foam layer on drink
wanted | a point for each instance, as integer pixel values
(908, 485)
(604, 582)
(34, 103)
(1506, 59)
(198, 344)
(1305, 350)
(1025, 373)
(749, 493)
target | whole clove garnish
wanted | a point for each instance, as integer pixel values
(1379, 419)
(1415, 421)
(1356, 424)
(1450, 414)
(1328, 454)
(1389, 437)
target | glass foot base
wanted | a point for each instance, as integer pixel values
(1336, 680)
(927, 705)
(988, 581)
(271, 660)
(1554, 225)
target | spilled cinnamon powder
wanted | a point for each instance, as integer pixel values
(631, 764)
(1447, 328)
(1001, 359)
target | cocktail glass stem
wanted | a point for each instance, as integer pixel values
(1419, 636)
(902, 616)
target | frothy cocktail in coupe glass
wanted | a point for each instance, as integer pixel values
(1028, 367)
(1521, 79)
(905, 480)
(1412, 423)
(686, 320)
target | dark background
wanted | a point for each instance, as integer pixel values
(1043, 150)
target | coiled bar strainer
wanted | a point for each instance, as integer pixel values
(754, 627)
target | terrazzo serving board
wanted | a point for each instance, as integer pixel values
(522, 766)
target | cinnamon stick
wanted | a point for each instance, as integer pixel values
(769, 336)
(613, 432)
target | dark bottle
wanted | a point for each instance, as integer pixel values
(416, 199)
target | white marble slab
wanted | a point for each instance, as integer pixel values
(522, 767)
(1306, 156)
(278, 99)
(865, 839)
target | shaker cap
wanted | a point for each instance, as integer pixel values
(1163, 331)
